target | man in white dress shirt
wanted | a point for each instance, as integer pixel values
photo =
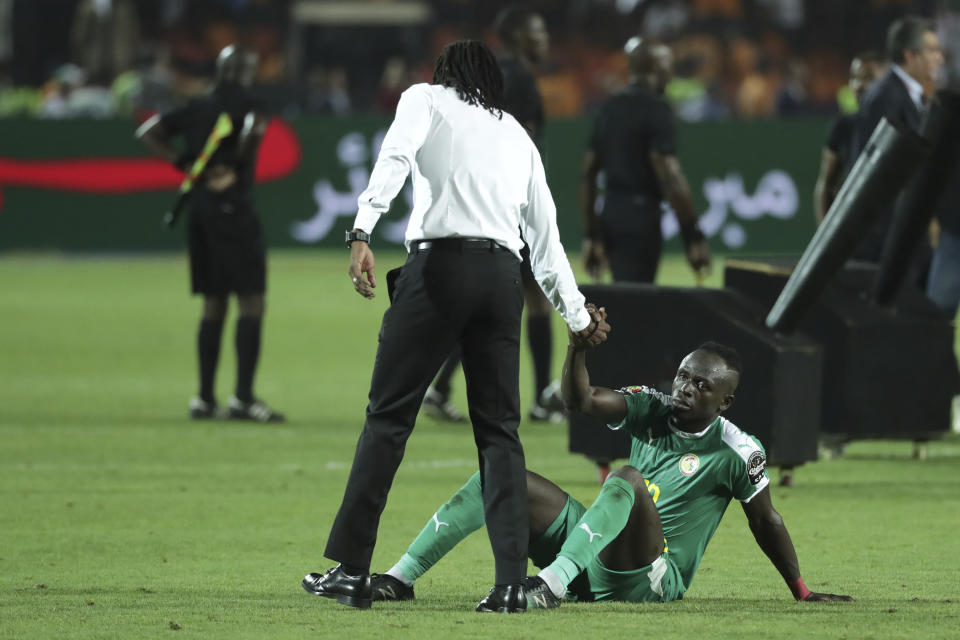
(477, 182)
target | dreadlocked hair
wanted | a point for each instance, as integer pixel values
(470, 67)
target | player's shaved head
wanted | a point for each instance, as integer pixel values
(704, 385)
(724, 361)
(236, 64)
(728, 354)
(649, 61)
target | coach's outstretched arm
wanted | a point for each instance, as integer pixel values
(772, 536)
(578, 395)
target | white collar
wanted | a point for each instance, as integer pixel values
(914, 88)
(692, 436)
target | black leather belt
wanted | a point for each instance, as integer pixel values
(457, 244)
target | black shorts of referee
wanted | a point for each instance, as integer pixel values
(225, 243)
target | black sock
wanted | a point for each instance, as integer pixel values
(540, 336)
(248, 352)
(208, 352)
(353, 569)
(442, 382)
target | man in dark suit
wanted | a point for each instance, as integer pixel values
(898, 96)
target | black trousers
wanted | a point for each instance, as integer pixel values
(454, 293)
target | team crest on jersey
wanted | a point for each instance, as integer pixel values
(756, 464)
(689, 464)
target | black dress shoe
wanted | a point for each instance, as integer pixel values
(385, 587)
(335, 583)
(539, 595)
(504, 598)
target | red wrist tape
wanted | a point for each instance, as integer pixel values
(799, 590)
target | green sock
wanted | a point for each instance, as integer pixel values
(460, 516)
(602, 522)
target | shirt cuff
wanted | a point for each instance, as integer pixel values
(366, 219)
(582, 320)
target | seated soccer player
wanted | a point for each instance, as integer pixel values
(644, 536)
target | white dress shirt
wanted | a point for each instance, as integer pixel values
(474, 176)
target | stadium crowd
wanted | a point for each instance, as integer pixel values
(735, 58)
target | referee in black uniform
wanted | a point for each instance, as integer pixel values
(526, 43)
(477, 181)
(634, 143)
(227, 252)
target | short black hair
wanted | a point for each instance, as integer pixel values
(471, 68)
(906, 33)
(510, 20)
(728, 354)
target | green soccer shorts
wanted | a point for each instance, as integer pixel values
(659, 581)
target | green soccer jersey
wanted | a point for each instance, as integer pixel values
(691, 477)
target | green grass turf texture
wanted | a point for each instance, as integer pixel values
(119, 518)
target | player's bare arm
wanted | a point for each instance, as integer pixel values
(674, 185)
(254, 128)
(153, 135)
(771, 535)
(579, 395)
(362, 264)
(827, 184)
(594, 259)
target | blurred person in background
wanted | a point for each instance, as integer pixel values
(105, 37)
(634, 144)
(327, 91)
(227, 250)
(526, 43)
(393, 81)
(900, 96)
(68, 95)
(837, 158)
(792, 95)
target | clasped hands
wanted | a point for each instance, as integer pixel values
(595, 332)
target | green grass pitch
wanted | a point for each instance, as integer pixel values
(119, 518)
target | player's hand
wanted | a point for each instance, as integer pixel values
(595, 332)
(594, 258)
(826, 597)
(220, 178)
(698, 255)
(361, 264)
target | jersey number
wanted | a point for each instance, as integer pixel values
(653, 489)
(655, 495)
